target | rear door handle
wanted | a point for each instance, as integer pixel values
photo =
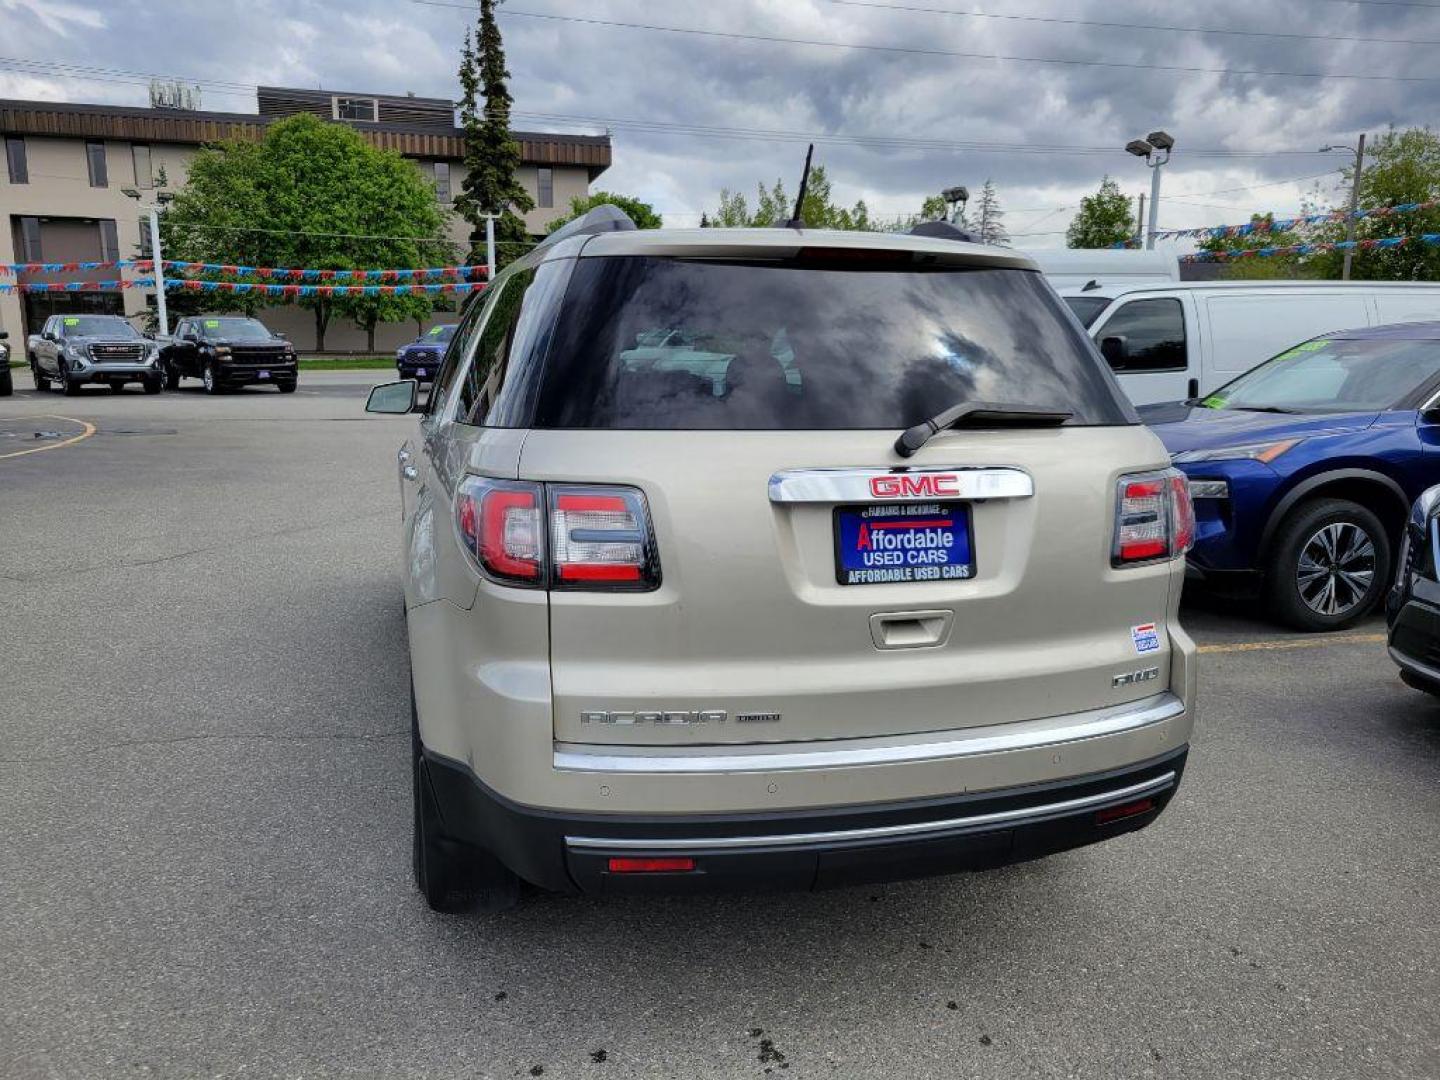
(910, 629)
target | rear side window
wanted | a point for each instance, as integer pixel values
(1087, 308)
(469, 325)
(1153, 333)
(672, 344)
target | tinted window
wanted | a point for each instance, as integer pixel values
(1087, 308)
(527, 340)
(1334, 376)
(482, 378)
(144, 177)
(659, 343)
(1153, 332)
(459, 347)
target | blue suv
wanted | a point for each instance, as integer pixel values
(420, 359)
(1303, 469)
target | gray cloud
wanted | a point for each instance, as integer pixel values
(585, 70)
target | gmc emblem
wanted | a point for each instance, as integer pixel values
(915, 485)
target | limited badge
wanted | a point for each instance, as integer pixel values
(1146, 638)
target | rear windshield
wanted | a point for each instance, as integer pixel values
(1087, 308)
(664, 343)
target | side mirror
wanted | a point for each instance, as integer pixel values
(393, 398)
(4, 334)
(282, 335)
(1430, 416)
(50, 335)
(1115, 350)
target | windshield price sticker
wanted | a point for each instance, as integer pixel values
(914, 542)
(72, 322)
(211, 324)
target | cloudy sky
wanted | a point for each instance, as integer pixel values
(900, 117)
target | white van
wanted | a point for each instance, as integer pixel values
(1185, 338)
(1068, 268)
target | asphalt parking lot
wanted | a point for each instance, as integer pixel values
(204, 858)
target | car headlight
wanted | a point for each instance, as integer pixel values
(399, 354)
(4, 354)
(1266, 452)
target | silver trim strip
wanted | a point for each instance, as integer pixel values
(877, 832)
(1022, 735)
(854, 485)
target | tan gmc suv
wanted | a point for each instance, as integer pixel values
(780, 558)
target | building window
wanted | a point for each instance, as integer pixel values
(442, 181)
(357, 108)
(545, 187)
(30, 240)
(95, 158)
(144, 177)
(145, 250)
(15, 157)
(109, 240)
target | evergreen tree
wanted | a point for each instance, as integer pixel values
(1104, 219)
(491, 154)
(986, 221)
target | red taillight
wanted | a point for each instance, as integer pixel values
(651, 866)
(499, 523)
(1120, 813)
(598, 538)
(1154, 518)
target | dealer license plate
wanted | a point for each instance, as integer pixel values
(877, 545)
(263, 375)
(420, 372)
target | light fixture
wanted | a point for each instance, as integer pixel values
(1138, 147)
(1160, 140)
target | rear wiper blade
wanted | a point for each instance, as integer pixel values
(980, 413)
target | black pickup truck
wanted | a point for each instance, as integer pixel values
(228, 351)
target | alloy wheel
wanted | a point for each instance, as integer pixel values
(1336, 568)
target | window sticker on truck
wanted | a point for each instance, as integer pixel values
(72, 322)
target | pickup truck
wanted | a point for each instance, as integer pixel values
(73, 350)
(228, 351)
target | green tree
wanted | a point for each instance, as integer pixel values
(1104, 219)
(642, 213)
(773, 206)
(312, 194)
(1400, 167)
(491, 154)
(987, 219)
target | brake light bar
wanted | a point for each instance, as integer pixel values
(598, 538)
(1154, 518)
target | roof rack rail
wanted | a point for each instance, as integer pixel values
(604, 218)
(942, 230)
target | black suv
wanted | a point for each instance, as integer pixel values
(226, 351)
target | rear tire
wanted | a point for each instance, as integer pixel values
(286, 386)
(451, 876)
(116, 387)
(1329, 565)
(7, 380)
(172, 377)
(154, 384)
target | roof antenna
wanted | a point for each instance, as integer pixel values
(795, 221)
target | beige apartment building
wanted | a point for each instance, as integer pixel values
(67, 167)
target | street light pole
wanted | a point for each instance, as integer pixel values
(1354, 206)
(1155, 150)
(159, 271)
(489, 248)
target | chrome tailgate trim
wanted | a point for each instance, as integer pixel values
(781, 757)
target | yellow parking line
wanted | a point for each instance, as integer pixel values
(89, 430)
(1295, 643)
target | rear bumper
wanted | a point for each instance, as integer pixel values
(570, 852)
